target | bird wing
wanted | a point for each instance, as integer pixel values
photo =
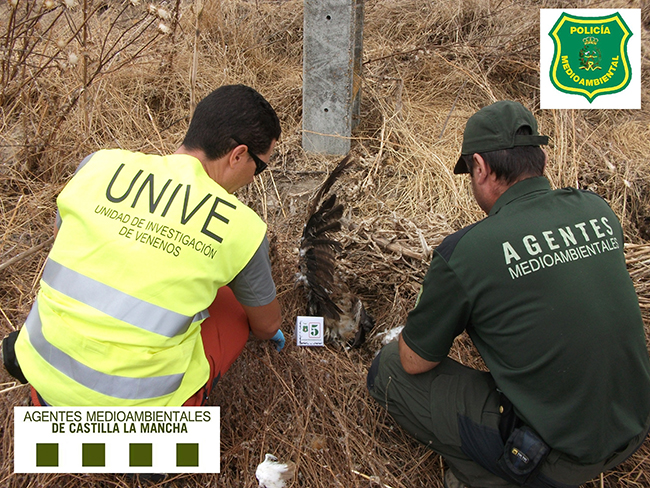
(318, 249)
(318, 253)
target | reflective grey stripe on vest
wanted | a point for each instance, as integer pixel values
(115, 386)
(116, 303)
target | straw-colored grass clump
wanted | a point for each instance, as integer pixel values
(77, 76)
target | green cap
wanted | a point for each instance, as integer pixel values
(494, 127)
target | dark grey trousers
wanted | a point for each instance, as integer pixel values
(455, 410)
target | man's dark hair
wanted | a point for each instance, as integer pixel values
(232, 111)
(511, 164)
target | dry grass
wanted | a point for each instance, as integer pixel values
(427, 67)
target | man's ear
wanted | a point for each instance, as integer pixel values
(480, 169)
(237, 155)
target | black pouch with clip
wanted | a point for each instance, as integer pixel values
(9, 357)
(523, 453)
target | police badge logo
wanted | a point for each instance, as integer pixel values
(590, 57)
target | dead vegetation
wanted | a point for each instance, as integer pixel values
(77, 76)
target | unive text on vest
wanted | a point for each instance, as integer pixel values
(164, 200)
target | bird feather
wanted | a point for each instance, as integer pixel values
(327, 184)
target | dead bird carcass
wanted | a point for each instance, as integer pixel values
(328, 295)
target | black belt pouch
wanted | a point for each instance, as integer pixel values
(9, 357)
(523, 454)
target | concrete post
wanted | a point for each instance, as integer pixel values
(332, 53)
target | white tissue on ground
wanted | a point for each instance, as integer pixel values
(390, 335)
(273, 474)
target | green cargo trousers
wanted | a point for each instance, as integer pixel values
(455, 410)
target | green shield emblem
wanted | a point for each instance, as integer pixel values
(590, 56)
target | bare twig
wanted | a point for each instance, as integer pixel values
(26, 253)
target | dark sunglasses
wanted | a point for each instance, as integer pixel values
(259, 164)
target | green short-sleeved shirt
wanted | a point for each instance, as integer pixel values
(542, 288)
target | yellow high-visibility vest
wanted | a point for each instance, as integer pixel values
(145, 243)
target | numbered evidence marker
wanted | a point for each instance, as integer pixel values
(309, 331)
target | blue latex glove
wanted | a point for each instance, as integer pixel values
(278, 340)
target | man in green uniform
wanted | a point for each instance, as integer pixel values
(541, 287)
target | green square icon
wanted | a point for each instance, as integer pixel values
(93, 454)
(187, 455)
(47, 454)
(140, 455)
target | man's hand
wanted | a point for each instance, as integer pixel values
(278, 340)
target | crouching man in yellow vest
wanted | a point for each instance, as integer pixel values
(133, 307)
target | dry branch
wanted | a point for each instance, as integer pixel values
(25, 254)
